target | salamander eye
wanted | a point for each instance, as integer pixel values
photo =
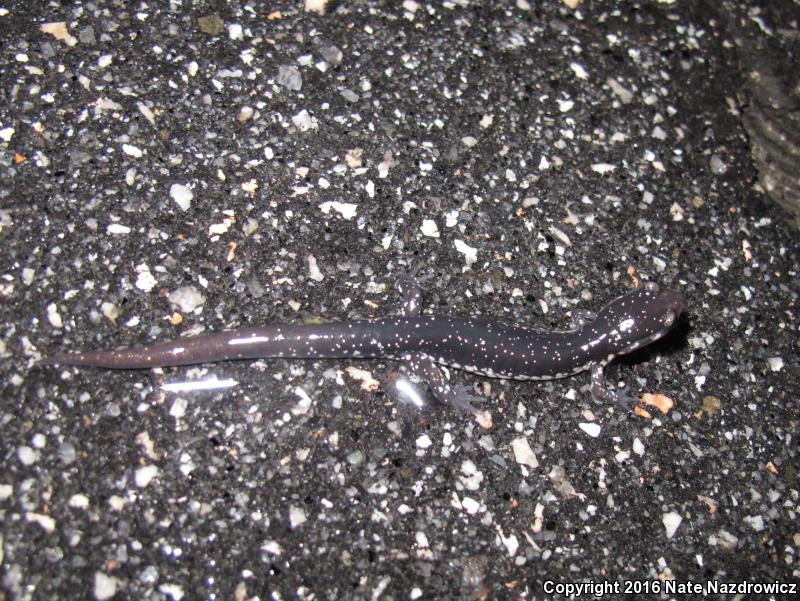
(651, 286)
(668, 318)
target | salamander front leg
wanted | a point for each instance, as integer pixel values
(424, 368)
(580, 317)
(601, 394)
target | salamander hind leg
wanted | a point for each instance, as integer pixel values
(411, 291)
(426, 369)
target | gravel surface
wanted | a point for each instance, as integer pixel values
(174, 168)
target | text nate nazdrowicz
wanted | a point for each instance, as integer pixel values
(601, 588)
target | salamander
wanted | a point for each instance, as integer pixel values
(423, 342)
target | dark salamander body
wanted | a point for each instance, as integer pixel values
(476, 345)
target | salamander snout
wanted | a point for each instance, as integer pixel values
(671, 302)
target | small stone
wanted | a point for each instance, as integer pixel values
(718, 166)
(289, 77)
(26, 455)
(144, 475)
(181, 195)
(186, 299)
(211, 24)
(304, 121)
(429, 228)
(671, 521)
(297, 516)
(523, 454)
(105, 586)
(592, 430)
(331, 54)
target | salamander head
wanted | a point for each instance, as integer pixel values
(639, 318)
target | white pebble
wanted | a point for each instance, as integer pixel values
(297, 516)
(579, 71)
(45, 522)
(105, 60)
(511, 543)
(178, 408)
(592, 430)
(78, 501)
(235, 31)
(245, 113)
(471, 477)
(622, 93)
(289, 77)
(603, 168)
(133, 151)
(303, 406)
(756, 522)
(316, 6)
(144, 475)
(118, 228)
(105, 586)
(658, 133)
(565, 105)
(181, 195)
(6, 490)
(145, 280)
(470, 253)
(718, 166)
(671, 521)
(775, 363)
(26, 455)
(523, 453)
(429, 228)
(53, 316)
(348, 210)
(186, 298)
(304, 122)
(313, 269)
(470, 505)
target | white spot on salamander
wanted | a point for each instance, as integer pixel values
(252, 340)
(626, 324)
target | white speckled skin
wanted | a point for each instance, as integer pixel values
(476, 345)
